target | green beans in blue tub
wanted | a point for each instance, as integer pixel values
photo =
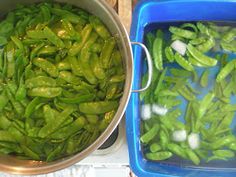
(189, 109)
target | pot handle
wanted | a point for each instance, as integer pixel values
(149, 62)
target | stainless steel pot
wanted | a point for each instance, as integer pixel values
(99, 8)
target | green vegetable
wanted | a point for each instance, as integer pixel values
(61, 80)
(204, 78)
(209, 114)
(203, 59)
(157, 50)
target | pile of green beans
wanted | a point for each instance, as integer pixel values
(61, 79)
(173, 78)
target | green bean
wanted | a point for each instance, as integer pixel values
(184, 91)
(46, 92)
(97, 107)
(204, 78)
(158, 87)
(182, 33)
(157, 50)
(176, 149)
(201, 58)
(40, 81)
(162, 155)
(226, 70)
(46, 66)
(77, 46)
(224, 153)
(169, 54)
(154, 147)
(192, 156)
(148, 136)
(106, 52)
(99, 27)
(183, 63)
(53, 125)
(206, 46)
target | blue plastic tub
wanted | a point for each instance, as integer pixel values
(147, 15)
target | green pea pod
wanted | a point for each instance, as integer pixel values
(206, 46)
(184, 91)
(180, 73)
(69, 77)
(85, 66)
(232, 146)
(4, 122)
(77, 46)
(46, 92)
(157, 50)
(66, 64)
(17, 105)
(117, 78)
(164, 139)
(99, 27)
(36, 34)
(224, 153)
(9, 54)
(3, 100)
(40, 81)
(229, 36)
(99, 107)
(221, 142)
(215, 158)
(18, 43)
(148, 136)
(46, 66)
(154, 147)
(150, 39)
(226, 121)
(160, 81)
(53, 154)
(106, 52)
(161, 155)
(30, 153)
(176, 149)
(70, 16)
(71, 129)
(52, 37)
(70, 30)
(169, 54)
(229, 89)
(53, 125)
(183, 63)
(78, 99)
(195, 62)
(47, 50)
(6, 136)
(198, 41)
(35, 50)
(226, 70)
(203, 28)
(190, 25)
(230, 47)
(21, 91)
(96, 66)
(182, 32)
(204, 78)
(204, 105)
(201, 58)
(32, 106)
(192, 156)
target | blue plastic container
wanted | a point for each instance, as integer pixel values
(147, 15)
